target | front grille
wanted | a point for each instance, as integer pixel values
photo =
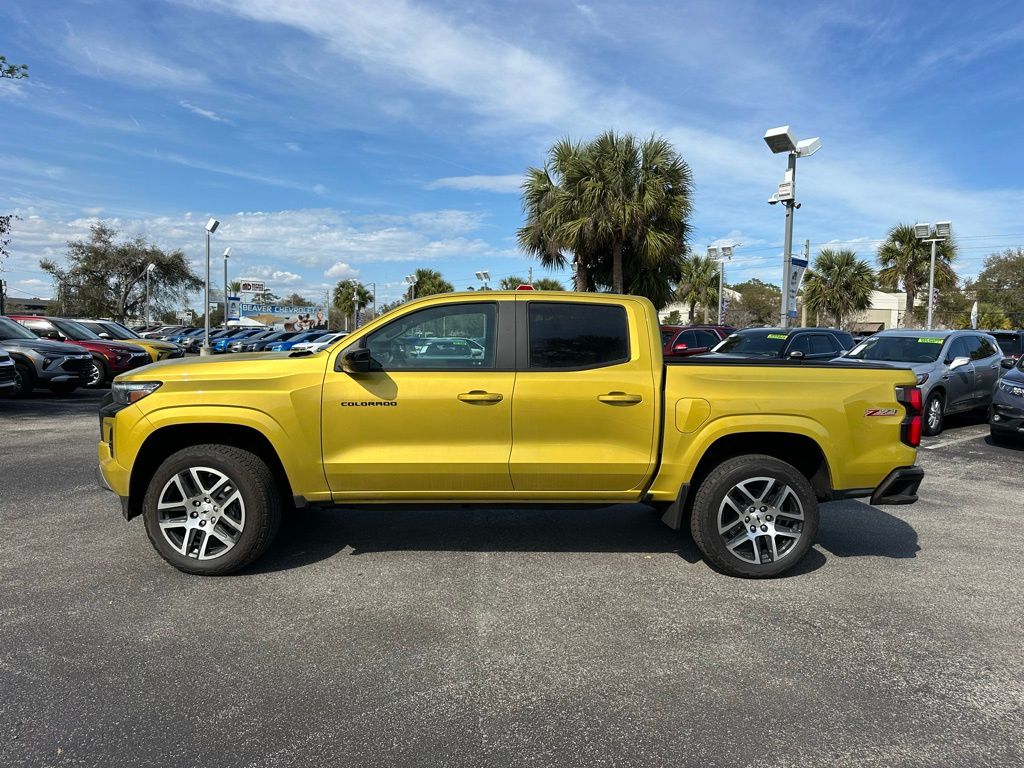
(76, 365)
(138, 359)
(6, 372)
(176, 353)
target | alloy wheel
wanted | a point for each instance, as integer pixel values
(201, 513)
(760, 520)
(934, 414)
(95, 375)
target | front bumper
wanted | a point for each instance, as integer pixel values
(899, 487)
(1006, 418)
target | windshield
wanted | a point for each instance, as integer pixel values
(12, 330)
(898, 349)
(74, 330)
(766, 343)
(119, 331)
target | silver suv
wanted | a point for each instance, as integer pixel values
(60, 367)
(956, 370)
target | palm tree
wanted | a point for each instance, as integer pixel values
(540, 283)
(838, 285)
(904, 261)
(618, 205)
(350, 297)
(428, 282)
(698, 283)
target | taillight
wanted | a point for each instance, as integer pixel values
(910, 427)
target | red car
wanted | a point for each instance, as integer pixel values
(686, 340)
(109, 358)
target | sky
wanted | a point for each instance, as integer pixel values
(341, 139)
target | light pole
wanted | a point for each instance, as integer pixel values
(484, 276)
(211, 227)
(227, 254)
(149, 271)
(410, 280)
(726, 255)
(924, 232)
(780, 141)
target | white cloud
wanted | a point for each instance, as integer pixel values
(12, 167)
(340, 271)
(209, 114)
(118, 60)
(504, 184)
(292, 146)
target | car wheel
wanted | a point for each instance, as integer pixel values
(24, 380)
(97, 375)
(63, 387)
(934, 414)
(212, 509)
(754, 517)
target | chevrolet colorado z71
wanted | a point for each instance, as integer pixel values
(561, 398)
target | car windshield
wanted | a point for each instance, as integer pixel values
(667, 334)
(12, 330)
(767, 343)
(119, 331)
(74, 330)
(898, 349)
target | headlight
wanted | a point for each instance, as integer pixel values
(128, 392)
(1012, 389)
(922, 378)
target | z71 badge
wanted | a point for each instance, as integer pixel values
(880, 412)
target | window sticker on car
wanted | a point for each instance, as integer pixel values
(777, 336)
(929, 341)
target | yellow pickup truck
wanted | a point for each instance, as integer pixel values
(506, 398)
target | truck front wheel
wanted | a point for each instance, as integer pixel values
(754, 516)
(212, 509)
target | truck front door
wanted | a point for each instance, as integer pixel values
(585, 402)
(433, 414)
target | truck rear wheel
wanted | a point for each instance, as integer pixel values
(754, 516)
(212, 509)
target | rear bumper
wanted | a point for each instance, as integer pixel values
(899, 487)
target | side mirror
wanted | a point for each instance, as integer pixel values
(959, 362)
(356, 361)
(796, 354)
(104, 335)
(53, 335)
(1007, 362)
(680, 347)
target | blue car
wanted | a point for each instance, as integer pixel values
(284, 346)
(221, 345)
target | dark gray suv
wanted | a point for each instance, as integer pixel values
(39, 362)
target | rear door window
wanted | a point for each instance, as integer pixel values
(565, 336)
(823, 344)
(705, 338)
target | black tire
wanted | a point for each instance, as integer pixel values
(711, 495)
(927, 427)
(24, 380)
(259, 492)
(64, 387)
(98, 373)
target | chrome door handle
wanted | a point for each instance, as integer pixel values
(619, 397)
(479, 396)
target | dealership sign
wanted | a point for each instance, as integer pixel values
(287, 317)
(248, 285)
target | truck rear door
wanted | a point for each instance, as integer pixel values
(586, 394)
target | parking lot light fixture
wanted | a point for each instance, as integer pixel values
(943, 231)
(410, 280)
(721, 255)
(227, 254)
(149, 270)
(780, 141)
(211, 227)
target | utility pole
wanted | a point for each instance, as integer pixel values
(3, 296)
(530, 278)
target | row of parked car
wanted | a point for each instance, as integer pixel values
(190, 338)
(62, 354)
(957, 371)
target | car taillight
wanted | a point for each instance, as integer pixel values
(910, 427)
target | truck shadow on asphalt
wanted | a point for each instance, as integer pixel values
(847, 529)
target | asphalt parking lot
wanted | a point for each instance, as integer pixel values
(498, 638)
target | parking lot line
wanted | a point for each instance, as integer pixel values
(954, 441)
